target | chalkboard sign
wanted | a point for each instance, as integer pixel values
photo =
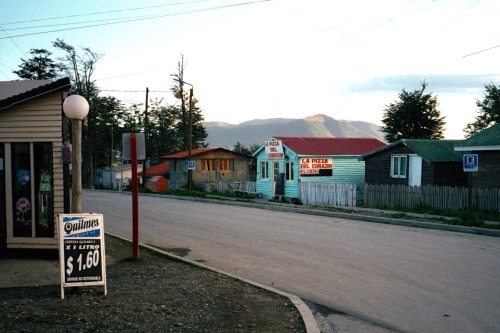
(280, 184)
(81, 250)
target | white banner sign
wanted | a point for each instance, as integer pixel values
(274, 149)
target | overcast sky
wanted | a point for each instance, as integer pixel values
(274, 59)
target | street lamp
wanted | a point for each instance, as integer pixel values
(76, 108)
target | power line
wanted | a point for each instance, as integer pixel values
(137, 91)
(488, 49)
(139, 19)
(106, 12)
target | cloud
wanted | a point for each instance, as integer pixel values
(469, 84)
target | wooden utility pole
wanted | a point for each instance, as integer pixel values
(145, 140)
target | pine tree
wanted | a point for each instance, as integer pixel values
(489, 111)
(39, 67)
(414, 116)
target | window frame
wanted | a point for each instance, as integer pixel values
(264, 170)
(398, 167)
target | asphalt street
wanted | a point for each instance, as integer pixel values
(384, 277)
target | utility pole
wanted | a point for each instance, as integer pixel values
(190, 139)
(145, 140)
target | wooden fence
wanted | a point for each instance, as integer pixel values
(232, 186)
(438, 197)
(327, 194)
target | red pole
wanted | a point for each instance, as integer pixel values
(135, 199)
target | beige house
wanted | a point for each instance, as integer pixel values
(209, 165)
(31, 164)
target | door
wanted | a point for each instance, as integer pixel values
(276, 171)
(3, 224)
(415, 172)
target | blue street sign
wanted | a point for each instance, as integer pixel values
(470, 163)
(191, 165)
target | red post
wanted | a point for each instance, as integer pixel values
(135, 199)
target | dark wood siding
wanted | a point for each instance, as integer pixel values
(488, 174)
(378, 167)
(450, 174)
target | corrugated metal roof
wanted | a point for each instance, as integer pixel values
(330, 146)
(185, 153)
(430, 150)
(487, 137)
(159, 169)
(14, 92)
(435, 150)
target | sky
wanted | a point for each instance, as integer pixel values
(251, 59)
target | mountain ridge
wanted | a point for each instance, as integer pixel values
(256, 131)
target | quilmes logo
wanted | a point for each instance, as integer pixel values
(81, 227)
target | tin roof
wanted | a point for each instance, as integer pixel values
(159, 169)
(15, 92)
(488, 139)
(431, 150)
(329, 145)
(198, 151)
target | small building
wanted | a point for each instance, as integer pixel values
(486, 144)
(209, 166)
(118, 177)
(284, 162)
(415, 162)
(31, 162)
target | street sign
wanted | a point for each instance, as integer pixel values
(140, 145)
(470, 162)
(191, 165)
(81, 250)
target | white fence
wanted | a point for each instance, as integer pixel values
(438, 197)
(327, 194)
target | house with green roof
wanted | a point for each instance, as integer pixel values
(416, 162)
(486, 145)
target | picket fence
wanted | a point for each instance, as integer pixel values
(327, 194)
(438, 197)
(309, 193)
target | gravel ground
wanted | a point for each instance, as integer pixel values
(153, 294)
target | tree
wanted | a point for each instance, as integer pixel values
(239, 148)
(414, 116)
(39, 67)
(489, 111)
(80, 67)
(198, 132)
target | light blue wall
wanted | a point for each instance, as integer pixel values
(346, 169)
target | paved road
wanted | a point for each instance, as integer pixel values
(391, 277)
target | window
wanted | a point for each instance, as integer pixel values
(32, 174)
(288, 170)
(264, 167)
(398, 166)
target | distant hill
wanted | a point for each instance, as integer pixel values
(257, 131)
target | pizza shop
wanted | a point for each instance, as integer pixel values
(31, 162)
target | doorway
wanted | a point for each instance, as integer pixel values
(415, 171)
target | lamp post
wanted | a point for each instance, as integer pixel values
(76, 108)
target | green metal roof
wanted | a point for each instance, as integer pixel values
(431, 150)
(435, 150)
(487, 137)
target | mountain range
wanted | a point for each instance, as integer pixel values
(255, 132)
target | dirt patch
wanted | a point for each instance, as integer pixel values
(152, 294)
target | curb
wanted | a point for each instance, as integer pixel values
(350, 216)
(305, 312)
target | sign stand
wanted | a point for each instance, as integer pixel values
(81, 250)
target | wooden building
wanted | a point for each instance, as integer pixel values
(284, 162)
(416, 162)
(486, 145)
(210, 165)
(31, 162)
